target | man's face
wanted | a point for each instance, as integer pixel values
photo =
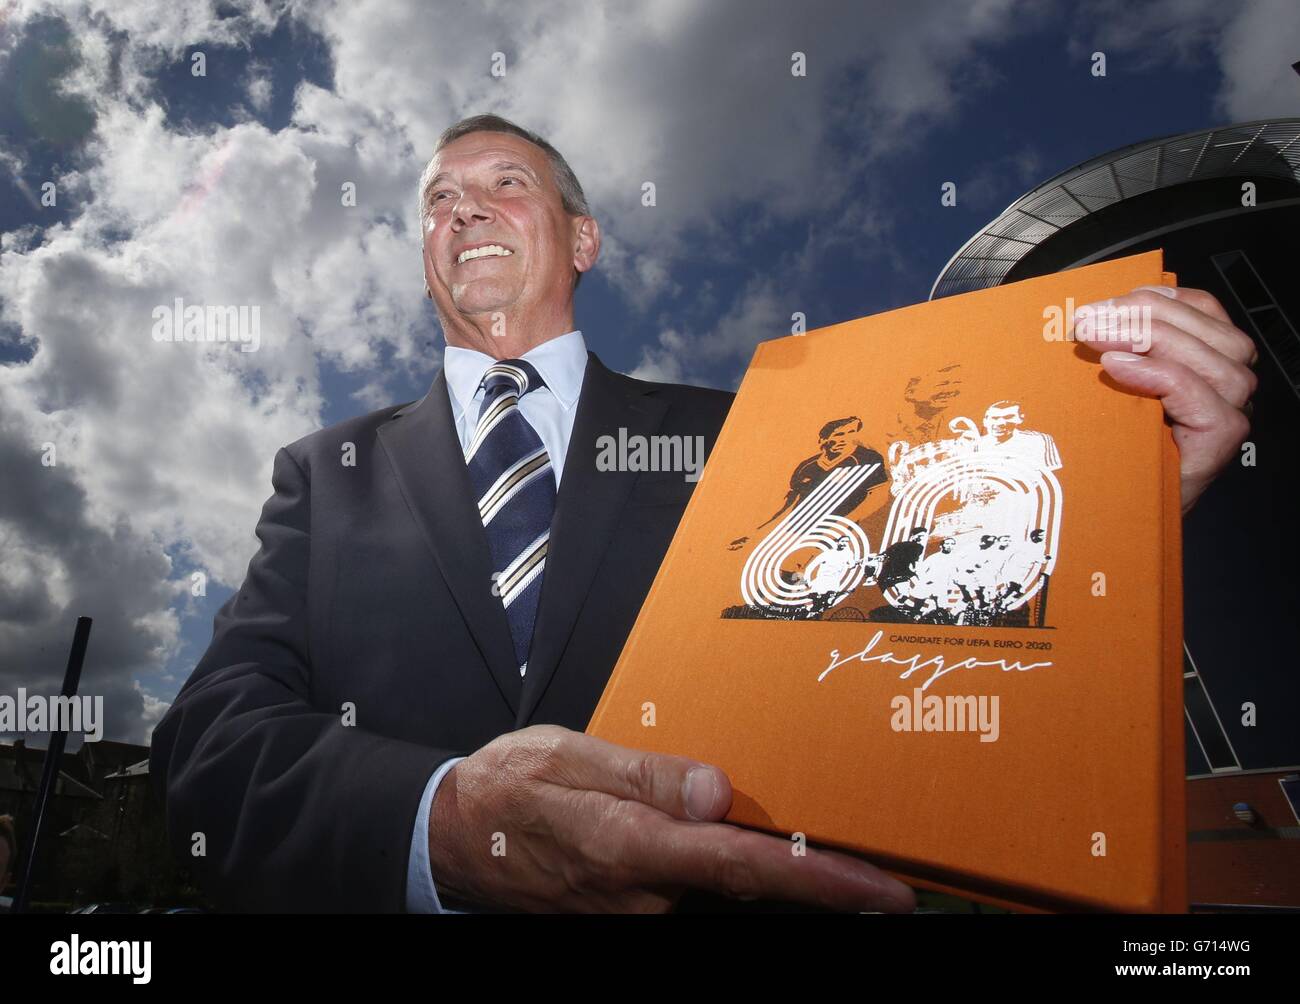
(1000, 423)
(947, 545)
(932, 391)
(838, 443)
(496, 188)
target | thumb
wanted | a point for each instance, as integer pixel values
(678, 786)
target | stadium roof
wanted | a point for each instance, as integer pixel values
(1250, 149)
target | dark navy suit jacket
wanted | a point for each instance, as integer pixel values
(371, 591)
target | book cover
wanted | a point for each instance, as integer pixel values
(925, 604)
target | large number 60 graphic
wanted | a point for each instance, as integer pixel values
(812, 523)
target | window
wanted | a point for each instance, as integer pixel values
(1204, 720)
(1291, 789)
(1273, 332)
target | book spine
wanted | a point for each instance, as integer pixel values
(1174, 894)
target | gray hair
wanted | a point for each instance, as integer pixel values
(571, 194)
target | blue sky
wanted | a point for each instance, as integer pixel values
(775, 194)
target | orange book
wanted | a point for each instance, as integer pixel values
(925, 605)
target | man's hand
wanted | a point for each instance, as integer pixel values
(581, 824)
(1196, 361)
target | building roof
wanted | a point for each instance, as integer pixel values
(140, 769)
(1251, 149)
(13, 777)
(80, 773)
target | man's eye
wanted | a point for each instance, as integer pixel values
(507, 178)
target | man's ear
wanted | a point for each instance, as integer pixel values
(586, 243)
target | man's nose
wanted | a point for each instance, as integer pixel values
(471, 207)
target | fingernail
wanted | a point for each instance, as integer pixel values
(699, 792)
(902, 894)
(1122, 357)
(901, 898)
(1168, 291)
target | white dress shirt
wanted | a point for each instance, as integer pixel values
(550, 410)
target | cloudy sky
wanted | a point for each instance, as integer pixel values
(775, 193)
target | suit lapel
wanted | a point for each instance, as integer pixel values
(426, 457)
(586, 514)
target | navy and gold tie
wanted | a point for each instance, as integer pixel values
(512, 478)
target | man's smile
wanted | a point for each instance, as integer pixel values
(477, 251)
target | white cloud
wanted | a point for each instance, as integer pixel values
(1256, 53)
(152, 709)
(662, 362)
(259, 86)
(1254, 43)
(689, 97)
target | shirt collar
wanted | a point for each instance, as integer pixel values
(561, 362)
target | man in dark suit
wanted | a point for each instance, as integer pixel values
(388, 715)
(312, 757)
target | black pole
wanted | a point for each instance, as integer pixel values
(53, 757)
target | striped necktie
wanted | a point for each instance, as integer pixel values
(512, 478)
